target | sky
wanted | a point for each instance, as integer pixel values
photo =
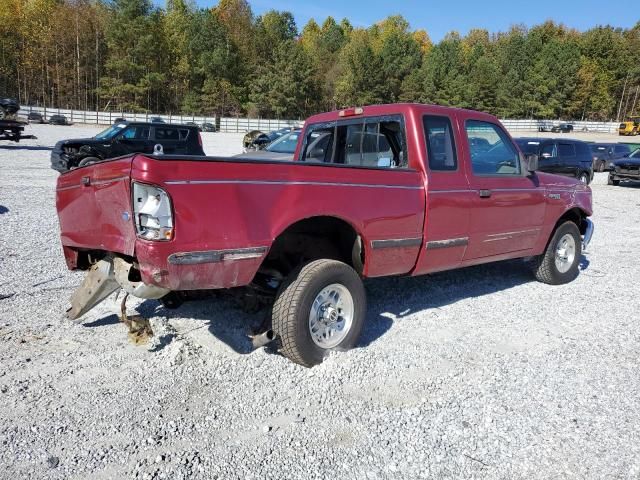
(442, 16)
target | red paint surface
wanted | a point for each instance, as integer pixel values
(241, 205)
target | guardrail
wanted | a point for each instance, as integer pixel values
(223, 124)
(241, 125)
(578, 126)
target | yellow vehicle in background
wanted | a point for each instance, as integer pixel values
(630, 127)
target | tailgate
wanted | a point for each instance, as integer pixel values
(94, 207)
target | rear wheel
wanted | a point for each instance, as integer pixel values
(559, 262)
(320, 308)
(584, 178)
(601, 166)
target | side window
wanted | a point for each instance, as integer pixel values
(136, 132)
(129, 133)
(566, 150)
(367, 143)
(441, 148)
(167, 134)
(548, 150)
(492, 153)
(184, 133)
(319, 144)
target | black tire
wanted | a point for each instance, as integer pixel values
(601, 166)
(291, 310)
(172, 301)
(613, 181)
(583, 177)
(544, 266)
(88, 161)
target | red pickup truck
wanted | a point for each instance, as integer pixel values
(382, 190)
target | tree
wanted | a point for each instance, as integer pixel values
(286, 86)
(361, 80)
(132, 73)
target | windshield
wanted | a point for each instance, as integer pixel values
(635, 154)
(110, 132)
(528, 146)
(285, 144)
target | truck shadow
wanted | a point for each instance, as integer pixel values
(390, 300)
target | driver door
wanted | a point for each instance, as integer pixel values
(133, 139)
(507, 206)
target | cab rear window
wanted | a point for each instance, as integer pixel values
(374, 142)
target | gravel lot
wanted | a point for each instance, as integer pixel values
(478, 373)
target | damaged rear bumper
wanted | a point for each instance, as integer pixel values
(105, 277)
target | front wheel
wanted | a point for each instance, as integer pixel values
(320, 307)
(559, 262)
(612, 181)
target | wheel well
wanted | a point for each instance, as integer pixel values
(576, 216)
(314, 238)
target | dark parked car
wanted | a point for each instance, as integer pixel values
(562, 128)
(571, 158)
(156, 120)
(282, 148)
(192, 124)
(627, 168)
(35, 117)
(125, 138)
(208, 127)
(605, 153)
(257, 140)
(119, 120)
(58, 120)
(545, 126)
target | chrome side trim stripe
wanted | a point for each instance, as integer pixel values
(397, 243)
(293, 182)
(215, 256)
(507, 235)
(449, 243)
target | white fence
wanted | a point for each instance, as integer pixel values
(240, 125)
(578, 126)
(224, 124)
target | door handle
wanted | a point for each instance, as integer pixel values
(86, 181)
(484, 193)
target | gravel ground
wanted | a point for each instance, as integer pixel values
(478, 373)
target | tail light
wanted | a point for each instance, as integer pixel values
(152, 211)
(199, 139)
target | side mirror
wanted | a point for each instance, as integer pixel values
(531, 161)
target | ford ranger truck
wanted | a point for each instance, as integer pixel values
(376, 191)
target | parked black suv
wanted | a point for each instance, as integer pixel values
(124, 138)
(571, 158)
(605, 153)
